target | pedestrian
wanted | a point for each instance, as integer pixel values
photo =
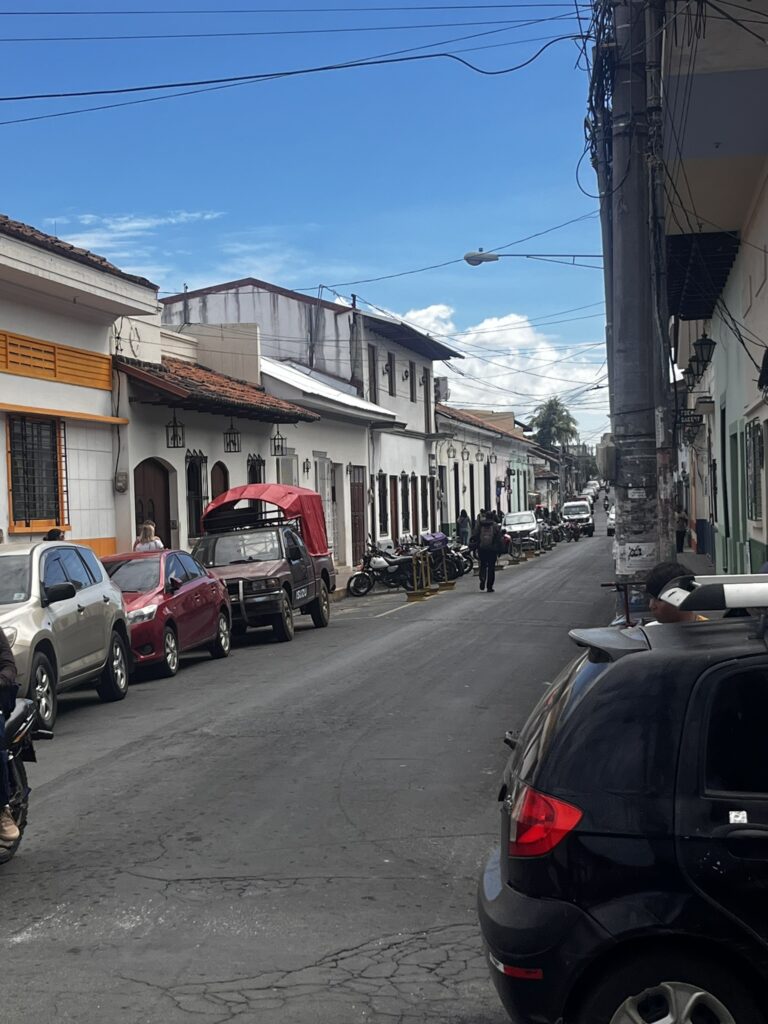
(464, 526)
(55, 534)
(9, 831)
(486, 538)
(681, 528)
(147, 540)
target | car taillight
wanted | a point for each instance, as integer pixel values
(537, 823)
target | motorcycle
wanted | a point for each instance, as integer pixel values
(20, 731)
(606, 504)
(572, 531)
(392, 571)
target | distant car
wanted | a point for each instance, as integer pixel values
(629, 883)
(174, 605)
(522, 526)
(579, 511)
(612, 521)
(65, 622)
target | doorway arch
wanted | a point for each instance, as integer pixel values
(219, 479)
(151, 489)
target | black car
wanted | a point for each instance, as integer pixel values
(631, 884)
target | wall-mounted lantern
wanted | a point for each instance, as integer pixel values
(306, 467)
(232, 438)
(174, 433)
(277, 442)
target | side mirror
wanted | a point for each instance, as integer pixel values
(174, 584)
(59, 592)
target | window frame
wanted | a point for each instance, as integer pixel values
(373, 366)
(413, 381)
(200, 460)
(34, 524)
(392, 374)
(723, 674)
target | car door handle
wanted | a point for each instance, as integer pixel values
(105, 599)
(748, 843)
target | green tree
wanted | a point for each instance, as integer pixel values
(553, 424)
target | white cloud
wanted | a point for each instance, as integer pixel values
(511, 364)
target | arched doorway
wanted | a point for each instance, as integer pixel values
(219, 479)
(152, 497)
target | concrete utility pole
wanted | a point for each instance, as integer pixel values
(633, 365)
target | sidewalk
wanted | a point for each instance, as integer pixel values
(700, 565)
(343, 572)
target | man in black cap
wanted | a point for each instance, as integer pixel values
(658, 578)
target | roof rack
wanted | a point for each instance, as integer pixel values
(716, 593)
(225, 520)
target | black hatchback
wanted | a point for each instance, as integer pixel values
(631, 883)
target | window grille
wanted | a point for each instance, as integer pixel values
(197, 491)
(37, 455)
(753, 440)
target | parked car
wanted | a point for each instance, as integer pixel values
(629, 885)
(580, 512)
(612, 521)
(272, 563)
(65, 622)
(521, 526)
(173, 604)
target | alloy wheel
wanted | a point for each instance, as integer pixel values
(44, 692)
(171, 650)
(119, 673)
(224, 637)
(673, 1002)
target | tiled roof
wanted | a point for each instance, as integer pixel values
(190, 386)
(472, 420)
(32, 236)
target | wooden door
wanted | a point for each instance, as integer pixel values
(394, 516)
(219, 479)
(357, 509)
(152, 498)
(415, 506)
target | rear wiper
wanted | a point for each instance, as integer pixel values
(240, 561)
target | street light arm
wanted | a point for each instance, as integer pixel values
(474, 259)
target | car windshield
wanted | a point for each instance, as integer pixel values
(135, 575)
(14, 579)
(234, 548)
(519, 518)
(577, 508)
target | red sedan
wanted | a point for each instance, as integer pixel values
(173, 605)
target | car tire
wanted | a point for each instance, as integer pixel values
(282, 624)
(42, 690)
(169, 666)
(320, 608)
(113, 681)
(222, 645)
(657, 980)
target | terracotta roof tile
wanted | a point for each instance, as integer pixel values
(472, 420)
(33, 236)
(192, 386)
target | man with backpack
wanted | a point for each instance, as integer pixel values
(486, 540)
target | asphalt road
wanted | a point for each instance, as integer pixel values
(293, 835)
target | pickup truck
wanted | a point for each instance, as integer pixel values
(273, 566)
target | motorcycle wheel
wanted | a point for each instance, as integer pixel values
(360, 584)
(19, 806)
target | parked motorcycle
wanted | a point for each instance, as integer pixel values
(378, 566)
(20, 731)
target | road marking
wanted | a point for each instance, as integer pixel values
(393, 610)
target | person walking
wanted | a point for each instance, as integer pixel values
(147, 539)
(464, 526)
(9, 830)
(681, 528)
(486, 539)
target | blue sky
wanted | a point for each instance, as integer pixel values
(327, 178)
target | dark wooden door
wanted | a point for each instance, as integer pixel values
(152, 498)
(219, 479)
(357, 510)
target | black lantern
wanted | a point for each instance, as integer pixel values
(306, 466)
(479, 457)
(704, 348)
(232, 438)
(492, 458)
(465, 454)
(695, 363)
(277, 443)
(689, 377)
(350, 467)
(451, 452)
(174, 433)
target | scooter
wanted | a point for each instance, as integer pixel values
(20, 731)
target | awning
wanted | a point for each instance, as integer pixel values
(698, 266)
(62, 414)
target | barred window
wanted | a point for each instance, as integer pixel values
(37, 466)
(197, 491)
(753, 441)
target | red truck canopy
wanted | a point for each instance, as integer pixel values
(296, 502)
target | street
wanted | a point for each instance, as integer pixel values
(292, 835)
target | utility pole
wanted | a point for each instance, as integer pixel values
(633, 364)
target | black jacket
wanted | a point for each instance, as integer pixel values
(7, 663)
(495, 536)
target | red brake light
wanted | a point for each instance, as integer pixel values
(537, 823)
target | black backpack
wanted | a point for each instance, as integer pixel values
(486, 540)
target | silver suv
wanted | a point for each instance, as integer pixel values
(65, 622)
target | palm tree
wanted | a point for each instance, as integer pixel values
(553, 424)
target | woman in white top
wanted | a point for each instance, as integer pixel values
(147, 541)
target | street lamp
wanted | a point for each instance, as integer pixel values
(704, 347)
(451, 452)
(474, 259)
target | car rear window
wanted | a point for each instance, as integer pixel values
(14, 579)
(576, 508)
(565, 693)
(237, 548)
(135, 575)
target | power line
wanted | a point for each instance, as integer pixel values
(282, 10)
(336, 30)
